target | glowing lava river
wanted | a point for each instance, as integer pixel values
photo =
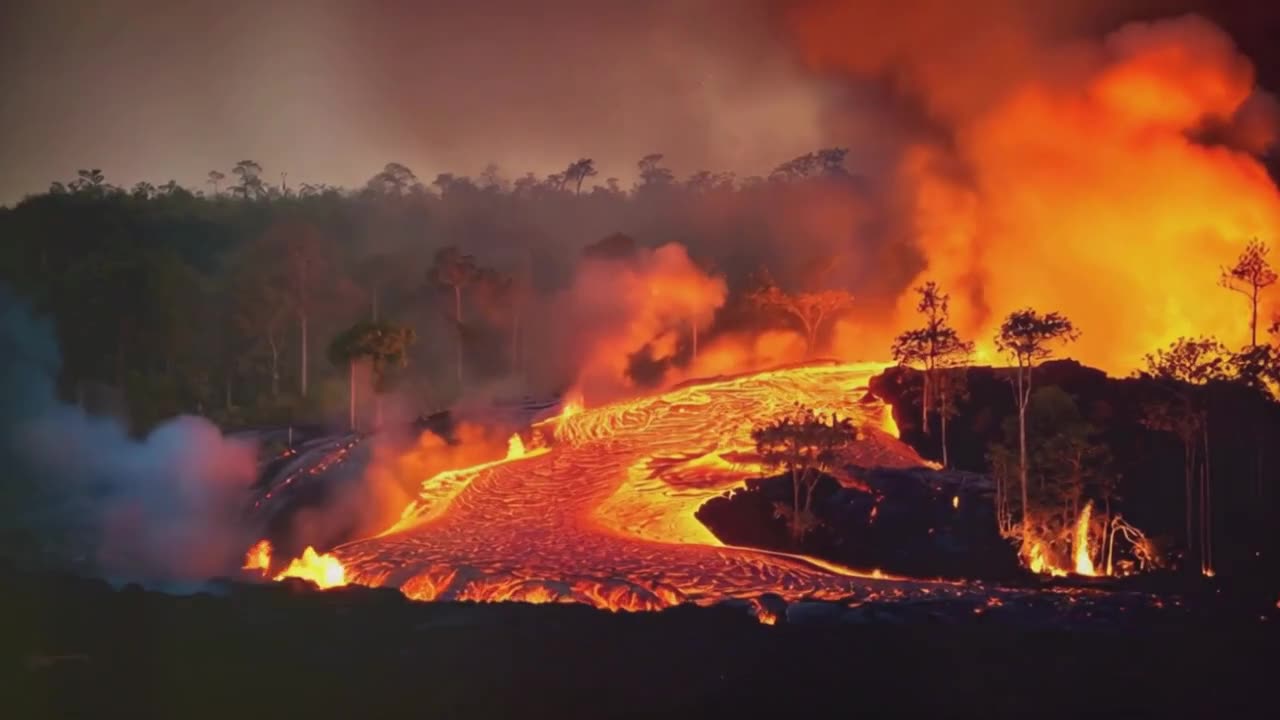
(604, 514)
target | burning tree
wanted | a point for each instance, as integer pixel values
(937, 349)
(809, 310)
(1027, 337)
(1250, 274)
(383, 344)
(1184, 369)
(1068, 467)
(805, 444)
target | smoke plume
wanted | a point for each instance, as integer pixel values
(1108, 178)
(162, 509)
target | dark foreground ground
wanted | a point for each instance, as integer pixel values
(77, 648)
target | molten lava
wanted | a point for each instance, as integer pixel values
(606, 515)
(1084, 561)
(259, 557)
(515, 447)
(324, 570)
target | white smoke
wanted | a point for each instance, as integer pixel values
(162, 509)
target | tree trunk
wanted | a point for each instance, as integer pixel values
(942, 421)
(457, 319)
(795, 506)
(1000, 502)
(1206, 505)
(1189, 458)
(373, 302)
(1107, 538)
(1253, 319)
(303, 383)
(1022, 464)
(275, 364)
(352, 392)
(924, 400)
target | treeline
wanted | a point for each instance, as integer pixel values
(1056, 461)
(225, 299)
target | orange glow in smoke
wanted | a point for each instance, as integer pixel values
(1071, 180)
(259, 557)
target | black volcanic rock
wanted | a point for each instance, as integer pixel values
(916, 522)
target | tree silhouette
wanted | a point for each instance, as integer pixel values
(250, 184)
(1249, 276)
(805, 445)
(454, 270)
(383, 344)
(395, 179)
(89, 181)
(935, 345)
(215, 179)
(652, 174)
(808, 310)
(1184, 369)
(1027, 337)
(828, 162)
(579, 171)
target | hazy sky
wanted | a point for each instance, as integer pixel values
(330, 90)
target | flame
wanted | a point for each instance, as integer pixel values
(1038, 560)
(955, 502)
(515, 447)
(572, 406)
(1083, 559)
(1059, 153)
(326, 571)
(259, 557)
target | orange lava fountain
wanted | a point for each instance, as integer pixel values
(324, 570)
(1084, 561)
(1039, 559)
(606, 515)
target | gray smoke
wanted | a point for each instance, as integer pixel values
(159, 510)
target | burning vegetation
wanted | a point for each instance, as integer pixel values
(1070, 190)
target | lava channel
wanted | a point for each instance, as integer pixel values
(605, 515)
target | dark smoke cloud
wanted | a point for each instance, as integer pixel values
(330, 91)
(162, 509)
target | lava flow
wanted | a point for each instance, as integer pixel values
(324, 570)
(605, 515)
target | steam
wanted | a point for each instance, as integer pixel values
(163, 509)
